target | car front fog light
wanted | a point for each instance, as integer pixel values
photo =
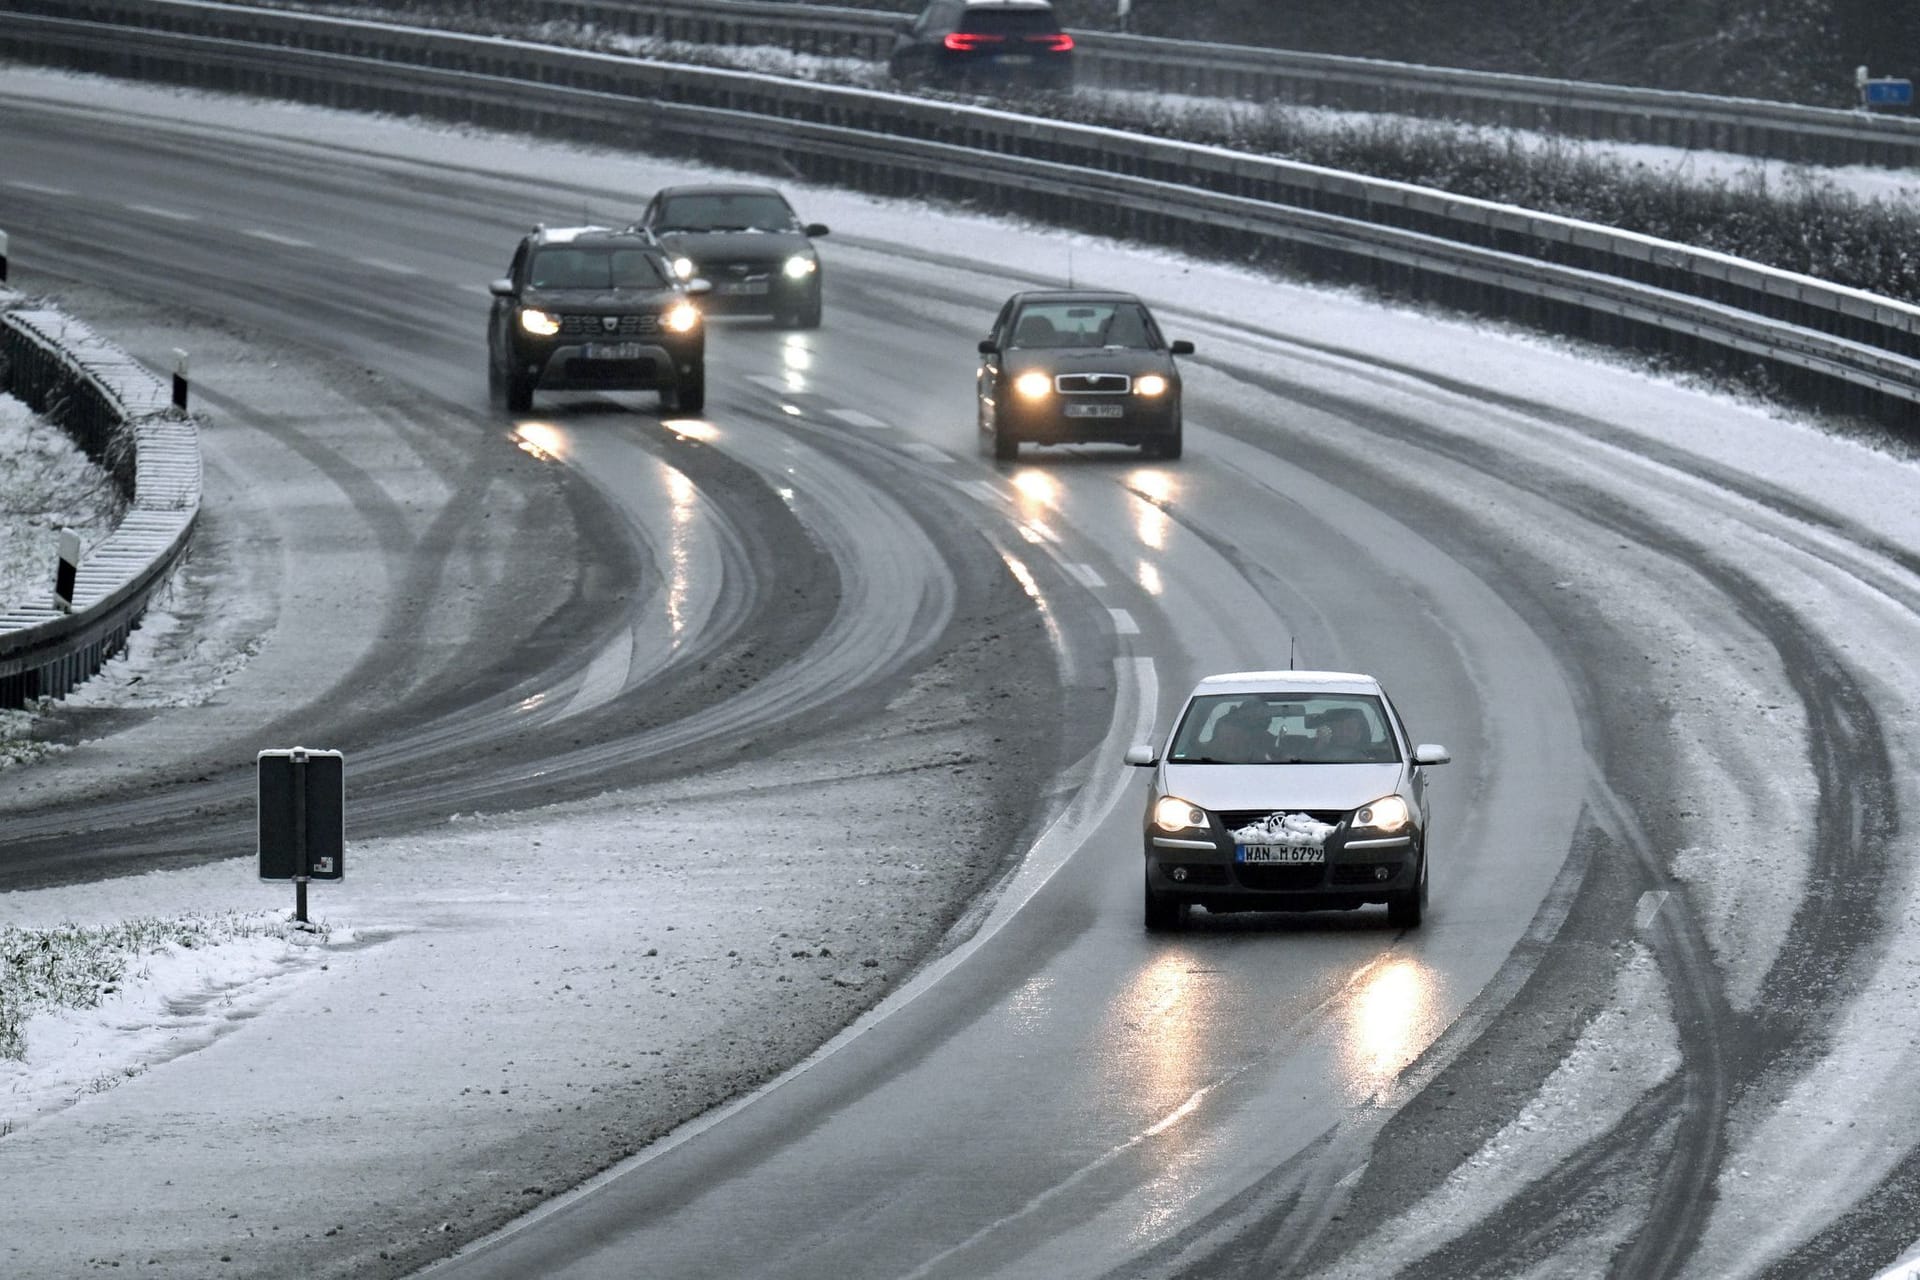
(1149, 384)
(539, 322)
(684, 268)
(1034, 385)
(1388, 814)
(1174, 814)
(800, 266)
(682, 317)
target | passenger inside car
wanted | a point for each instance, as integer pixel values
(1243, 736)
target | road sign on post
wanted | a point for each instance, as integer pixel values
(1883, 92)
(303, 819)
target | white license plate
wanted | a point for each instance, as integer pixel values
(1093, 411)
(613, 351)
(1015, 59)
(739, 287)
(1286, 855)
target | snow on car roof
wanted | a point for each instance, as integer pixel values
(1287, 681)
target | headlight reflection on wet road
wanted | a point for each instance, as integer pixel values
(1386, 1021)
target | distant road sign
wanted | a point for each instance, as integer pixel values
(1886, 92)
(302, 815)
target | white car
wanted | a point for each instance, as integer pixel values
(1286, 791)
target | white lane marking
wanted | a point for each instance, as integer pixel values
(924, 451)
(38, 189)
(855, 418)
(771, 381)
(982, 490)
(1087, 574)
(606, 676)
(274, 237)
(155, 211)
(1123, 622)
(388, 268)
(1649, 906)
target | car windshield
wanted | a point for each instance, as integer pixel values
(595, 267)
(1010, 22)
(1284, 728)
(1084, 324)
(725, 211)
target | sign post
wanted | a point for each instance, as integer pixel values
(303, 819)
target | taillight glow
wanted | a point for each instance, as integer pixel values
(970, 41)
(1058, 42)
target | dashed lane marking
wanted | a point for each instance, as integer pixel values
(1650, 903)
(855, 418)
(1123, 622)
(39, 189)
(274, 237)
(155, 211)
(1087, 574)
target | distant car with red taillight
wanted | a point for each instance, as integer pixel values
(985, 44)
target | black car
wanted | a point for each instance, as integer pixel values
(985, 43)
(748, 242)
(1068, 366)
(594, 308)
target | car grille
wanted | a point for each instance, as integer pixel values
(1232, 820)
(1088, 384)
(730, 271)
(592, 326)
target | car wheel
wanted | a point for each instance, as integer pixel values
(689, 395)
(808, 316)
(1406, 910)
(1163, 914)
(1006, 445)
(519, 391)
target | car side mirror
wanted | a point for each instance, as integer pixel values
(987, 346)
(699, 285)
(815, 230)
(501, 288)
(1431, 753)
(1142, 754)
(1181, 347)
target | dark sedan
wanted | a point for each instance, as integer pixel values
(748, 242)
(1070, 366)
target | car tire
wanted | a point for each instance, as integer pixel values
(808, 316)
(1006, 445)
(1406, 910)
(689, 395)
(1167, 446)
(1162, 914)
(518, 388)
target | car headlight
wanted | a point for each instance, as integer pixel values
(1149, 384)
(1390, 813)
(1171, 813)
(544, 323)
(684, 268)
(1033, 385)
(800, 266)
(682, 317)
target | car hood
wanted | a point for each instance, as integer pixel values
(736, 246)
(1281, 786)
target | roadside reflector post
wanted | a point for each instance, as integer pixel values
(303, 819)
(179, 380)
(3, 257)
(67, 571)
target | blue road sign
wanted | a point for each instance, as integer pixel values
(1887, 92)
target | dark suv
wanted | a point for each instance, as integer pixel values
(595, 309)
(977, 43)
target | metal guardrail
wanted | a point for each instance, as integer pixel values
(123, 417)
(1839, 346)
(1697, 121)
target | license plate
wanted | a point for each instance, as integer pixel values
(738, 287)
(613, 351)
(1015, 59)
(1286, 855)
(1093, 411)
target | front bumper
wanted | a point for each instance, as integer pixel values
(771, 294)
(1104, 419)
(1204, 870)
(612, 366)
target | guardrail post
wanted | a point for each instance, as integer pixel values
(67, 572)
(3, 257)
(179, 380)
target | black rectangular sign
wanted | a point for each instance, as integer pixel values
(303, 815)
